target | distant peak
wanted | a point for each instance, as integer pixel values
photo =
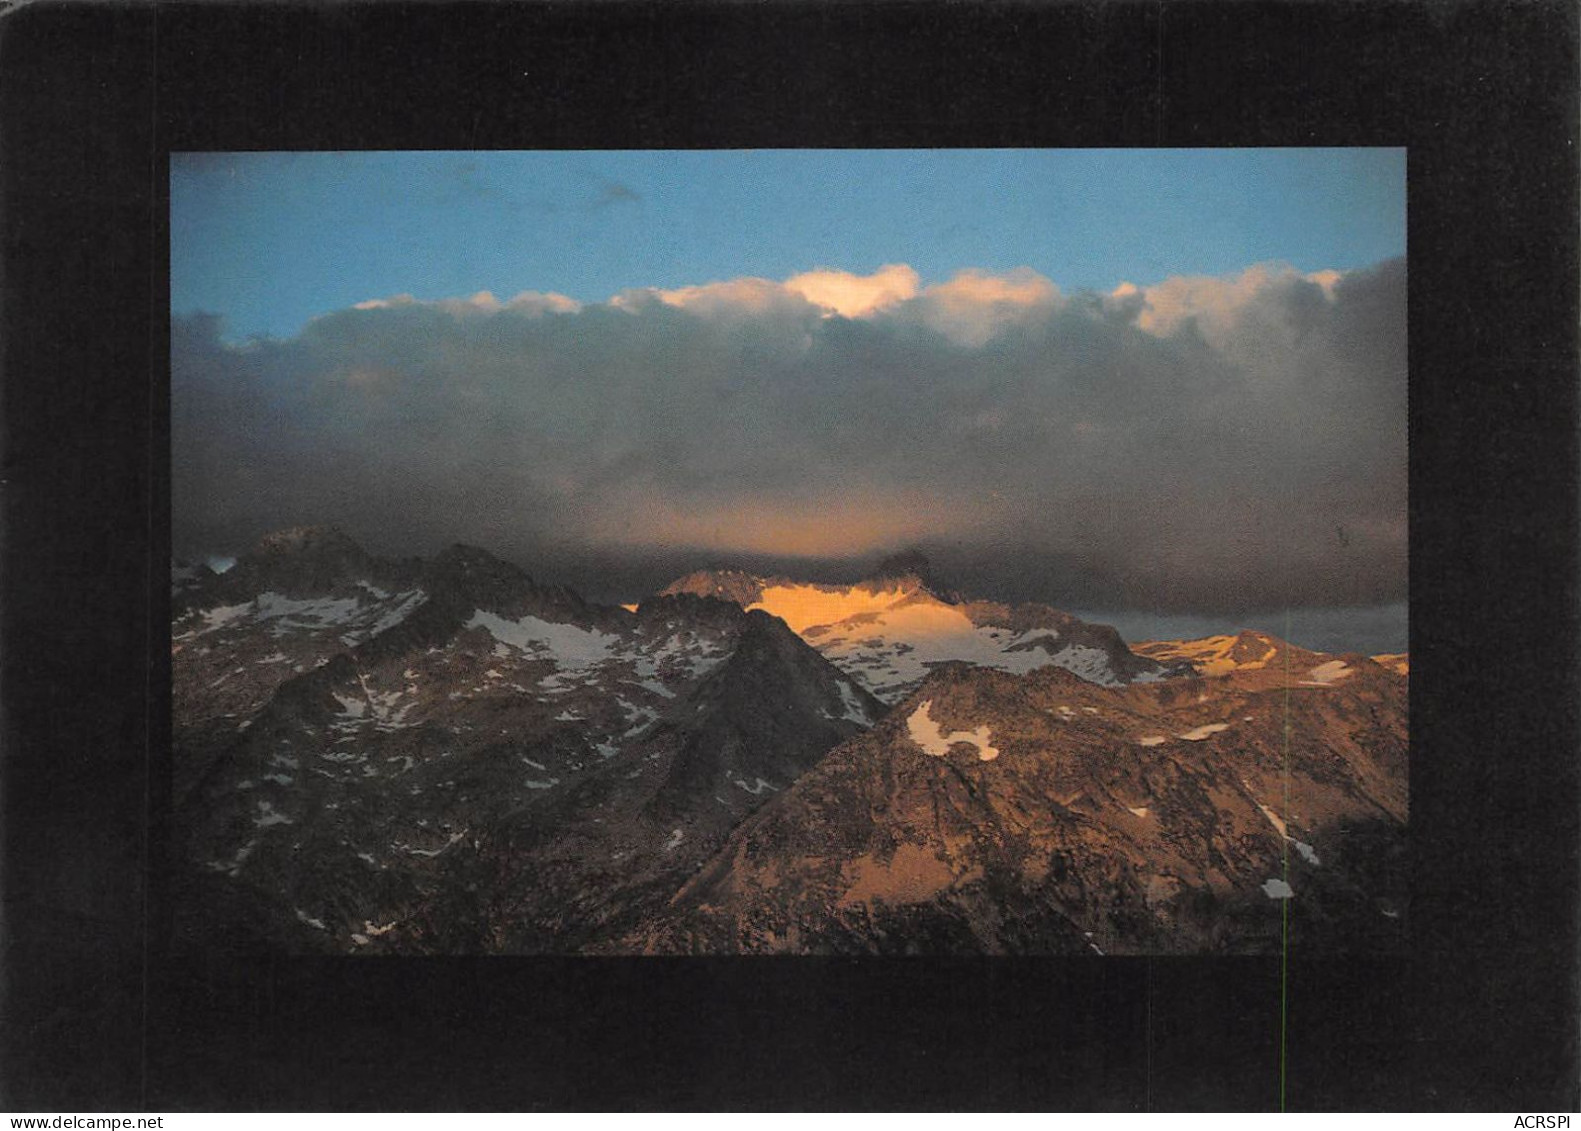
(301, 560)
(461, 552)
(1256, 638)
(698, 607)
(304, 539)
(725, 584)
(907, 563)
(910, 565)
(461, 560)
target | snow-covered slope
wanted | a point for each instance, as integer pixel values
(1265, 659)
(891, 632)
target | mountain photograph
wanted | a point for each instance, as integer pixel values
(933, 553)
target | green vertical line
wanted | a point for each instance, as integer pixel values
(1284, 904)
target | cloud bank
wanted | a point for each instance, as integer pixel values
(1194, 445)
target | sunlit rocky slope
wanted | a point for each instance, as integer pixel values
(999, 813)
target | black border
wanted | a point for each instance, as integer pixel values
(1481, 1017)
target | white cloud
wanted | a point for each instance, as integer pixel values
(730, 298)
(483, 302)
(975, 306)
(969, 309)
(1217, 303)
(856, 296)
(384, 303)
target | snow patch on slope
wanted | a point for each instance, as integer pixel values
(1325, 674)
(406, 605)
(570, 647)
(363, 615)
(927, 734)
(1197, 734)
(853, 705)
(757, 787)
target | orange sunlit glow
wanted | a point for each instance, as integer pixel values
(843, 527)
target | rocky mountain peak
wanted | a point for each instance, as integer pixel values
(724, 584)
(766, 714)
(466, 577)
(461, 560)
(305, 540)
(912, 566)
(302, 561)
(716, 612)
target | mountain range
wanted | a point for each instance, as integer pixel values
(445, 756)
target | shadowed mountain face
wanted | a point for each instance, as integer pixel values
(995, 813)
(447, 757)
(598, 858)
(342, 745)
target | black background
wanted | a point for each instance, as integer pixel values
(1480, 1016)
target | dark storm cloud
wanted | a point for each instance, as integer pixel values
(1199, 445)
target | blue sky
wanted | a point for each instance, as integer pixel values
(269, 241)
